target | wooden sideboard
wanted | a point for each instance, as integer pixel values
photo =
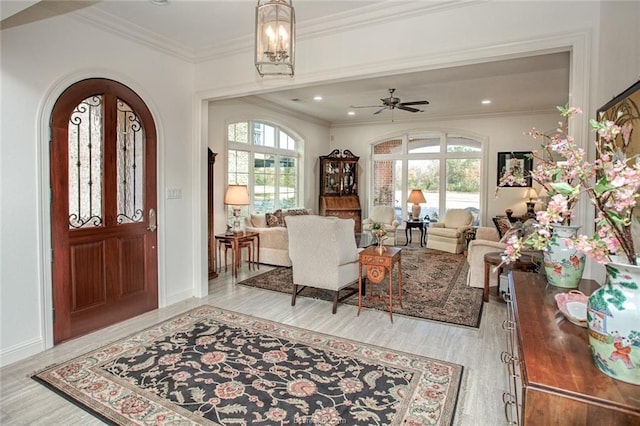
(552, 377)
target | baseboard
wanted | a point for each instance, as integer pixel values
(178, 297)
(21, 351)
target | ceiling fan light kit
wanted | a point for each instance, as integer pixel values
(275, 37)
(393, 102)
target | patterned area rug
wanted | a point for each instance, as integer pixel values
(433, 287)
(212, 366)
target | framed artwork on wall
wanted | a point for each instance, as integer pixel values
(624, 109)
(519, 164)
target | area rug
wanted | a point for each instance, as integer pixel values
(213, 366)
(434, 287)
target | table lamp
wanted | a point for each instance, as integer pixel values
(236, 196)
(416, 197)
(532, 195)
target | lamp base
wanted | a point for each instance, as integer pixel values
(415, 212)
(531, 209)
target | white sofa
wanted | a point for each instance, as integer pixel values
(274, 241)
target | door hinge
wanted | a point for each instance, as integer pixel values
(53, 314)
(51, 255)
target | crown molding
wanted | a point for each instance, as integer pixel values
(371, 15)
(128, 30)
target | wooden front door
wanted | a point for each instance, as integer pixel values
(103, 204)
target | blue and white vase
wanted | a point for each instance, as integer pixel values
(613, 315)
(563, 265)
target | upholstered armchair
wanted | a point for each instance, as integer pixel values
(486, 241)
(449, 235)
(386, 216)
(323, 254)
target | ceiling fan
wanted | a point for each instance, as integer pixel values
(392, 102)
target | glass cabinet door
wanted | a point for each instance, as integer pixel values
(331, 172)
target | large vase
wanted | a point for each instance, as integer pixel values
(563, 265)
(613, 316)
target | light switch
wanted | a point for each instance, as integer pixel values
(174, 193)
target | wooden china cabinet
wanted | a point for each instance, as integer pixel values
(339, 186)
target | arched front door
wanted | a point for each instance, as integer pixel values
(103, 207)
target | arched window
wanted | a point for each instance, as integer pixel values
(445, 166)
(266, 157)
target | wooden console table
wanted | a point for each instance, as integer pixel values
(553, 380)
(379, 265)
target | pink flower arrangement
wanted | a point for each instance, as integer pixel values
(611, 183)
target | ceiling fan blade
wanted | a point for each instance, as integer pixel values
(380, 110)
(416, 103)
(406, 108)
(365, 106)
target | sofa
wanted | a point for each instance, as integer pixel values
(274, 238)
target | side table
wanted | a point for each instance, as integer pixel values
(525, 263)
(237, 242)
(419, 224)
(378, 265)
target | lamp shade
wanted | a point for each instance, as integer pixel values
(275, 37)
(416, 197)
(531, 194)
(237, 195)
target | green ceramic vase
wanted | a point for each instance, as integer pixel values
(613, 316)
(563, 265)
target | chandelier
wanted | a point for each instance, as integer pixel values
(275, 37)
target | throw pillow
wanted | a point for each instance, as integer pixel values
(274, 219)
(503, 224)
(293, 212)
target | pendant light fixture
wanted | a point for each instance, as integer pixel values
(275, 37)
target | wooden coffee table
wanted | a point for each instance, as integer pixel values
(526, 263)
(378, 265)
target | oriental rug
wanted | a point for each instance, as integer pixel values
(434, 287)
(213, 366)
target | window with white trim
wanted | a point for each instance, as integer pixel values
(445, 166)
(265, 157)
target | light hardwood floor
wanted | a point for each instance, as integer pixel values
(25, 402)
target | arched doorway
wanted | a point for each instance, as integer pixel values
(103, 207)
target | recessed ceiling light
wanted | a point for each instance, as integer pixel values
(351, 113)
(317, 98)
(486, 101)
(160, 2)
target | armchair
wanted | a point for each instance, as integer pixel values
(323, 254)
(448, 235)
(486, 241)
(386, 216)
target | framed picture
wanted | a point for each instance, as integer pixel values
(519, 164)
(624, 109)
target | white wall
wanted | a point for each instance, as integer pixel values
(39, 60)
(316, 143)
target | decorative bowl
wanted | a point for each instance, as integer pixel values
(573, 306)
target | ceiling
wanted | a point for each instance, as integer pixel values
(190, 29)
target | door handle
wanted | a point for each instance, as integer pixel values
(153, 221)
